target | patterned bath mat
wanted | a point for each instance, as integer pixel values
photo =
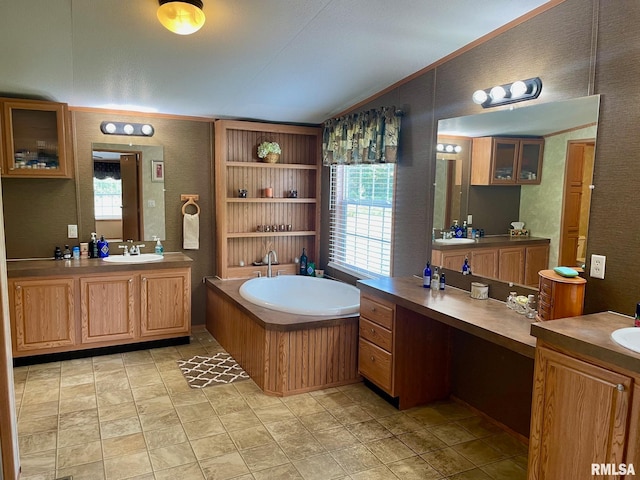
(220, 369)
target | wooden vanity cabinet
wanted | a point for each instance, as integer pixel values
(511, 263)
(37, 139)
(108, 308)
(559, 296)
(43, 314)
(166, 302)
(402, 352)
(581, 412)
(506, 161)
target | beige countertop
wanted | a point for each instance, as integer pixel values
(488, 319)
(49, 267)
(590, 335)
(494, 241)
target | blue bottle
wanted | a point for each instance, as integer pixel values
(466, 268)
(442, 282)
(103, 247)
(426, 276)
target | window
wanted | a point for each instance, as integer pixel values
(361, 208)
(107, 198)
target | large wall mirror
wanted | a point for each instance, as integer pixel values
(128, 191)
(569, 130)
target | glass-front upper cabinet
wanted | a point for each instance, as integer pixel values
(530, 161)
(506, 161)
(36, 139)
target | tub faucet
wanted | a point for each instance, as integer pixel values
(275, 260)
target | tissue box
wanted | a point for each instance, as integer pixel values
(518, 232)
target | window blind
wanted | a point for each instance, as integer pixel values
(361, 218)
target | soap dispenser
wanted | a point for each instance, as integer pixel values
(93, 246)
(103, 247)
(159, 248)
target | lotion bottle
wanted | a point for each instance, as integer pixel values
(103, 247)
(426, 276)
(159, 250)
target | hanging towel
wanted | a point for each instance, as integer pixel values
(191, 231)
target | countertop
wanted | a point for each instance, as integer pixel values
(590, 335)
(50, 267)
(494, 241)
(488, 319)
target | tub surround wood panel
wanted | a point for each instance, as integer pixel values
(283, 353)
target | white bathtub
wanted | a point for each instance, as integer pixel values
(302, 295)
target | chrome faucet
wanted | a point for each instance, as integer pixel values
(135, 248)
(275, 260)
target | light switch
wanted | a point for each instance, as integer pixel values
(72, 231)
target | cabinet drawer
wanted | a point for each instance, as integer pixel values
(546, 286)
(376, 312)
(544, 310)
(376, 334)
(375, 364)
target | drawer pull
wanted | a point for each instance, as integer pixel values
(373, 358)
(620, 387)
(373, 309)
(373, 330)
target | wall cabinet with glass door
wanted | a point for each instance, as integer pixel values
(251, 224)
(36, 139)
(506, 161)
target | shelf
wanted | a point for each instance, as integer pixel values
(271, 200)
(298, 233)
(293, 166)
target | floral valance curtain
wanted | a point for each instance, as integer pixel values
(365, 137)
(102, 170)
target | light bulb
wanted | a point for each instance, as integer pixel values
(449, 148)
(479, 97)
(128, 129)
(147, 129)
(518, 89)
(458, 149)
(497, 93)
(181, 17)
(440, 147)
(110, 128)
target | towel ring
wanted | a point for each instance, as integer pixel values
(190, 201)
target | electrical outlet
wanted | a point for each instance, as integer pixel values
(72, 231)
(597, 266)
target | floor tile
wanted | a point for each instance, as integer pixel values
(29, 426)
(251, 437)
(478, 452)
(506, 444)
(195, 412)
(89, 471)
(117, 412)
(319, 467)
(414, 468)
(355, 458)
(281, 472)
(422, 441)
(335, 438)
(300, 446)
(126, 466)
(264, 456)
(121, 427)
(475, 474)
(116, 446)
(165, 436)
(368, 431)
(400, 423)
(349, 414)
(81, 418)
(156, 420)
(37, 442)
(223, 467)
(171, 456)
(389, 450)
(239, 420)
(447, 461)
(377, 473)
(78, 435)
(479, 427)
(303, 405)
(451, 433)
(213, 446)
(79, 454)
(37, 463)
(182, 472)
(319, 421)
(275, 413)
(505, 470)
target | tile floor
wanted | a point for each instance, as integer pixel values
(133, 415)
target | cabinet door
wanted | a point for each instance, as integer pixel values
(484, 262)
(43, 314)
(536, 259)
(579, 417)
(166, 302)
(454, 259)
(504, 160)
(108, 308)
(530, 161)
(35, 139)
(511, 265)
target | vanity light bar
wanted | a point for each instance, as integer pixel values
(518, 91)
(448, 148)
(129, 129)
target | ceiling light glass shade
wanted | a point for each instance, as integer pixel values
(440, 147)
(518, 89)
(128, 129)
(497, 93)
(458, 148)
(449, 148)
(147, 129)
(181, 17)
(110, 128)
(479, 97)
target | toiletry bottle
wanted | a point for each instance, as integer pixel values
(637, 319)
(76, 253)
(466, 268)
(103, 247)
(159, 248)
(66, 254)
(435, 278)
(442, 281)
(93, 246)
(311, 269)
(303, 262)
(57, 254)
(454, 227)
(426, 276)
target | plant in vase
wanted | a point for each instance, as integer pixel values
(269, 151)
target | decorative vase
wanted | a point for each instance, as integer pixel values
(272, 157)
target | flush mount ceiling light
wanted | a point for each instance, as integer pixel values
(448, 148)
(182, 17)
(129, 129)
(508, 93)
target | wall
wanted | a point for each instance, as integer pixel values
(578, 48)
(49, 205)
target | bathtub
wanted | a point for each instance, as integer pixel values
(302, 295)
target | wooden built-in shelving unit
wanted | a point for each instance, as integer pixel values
(237, 166)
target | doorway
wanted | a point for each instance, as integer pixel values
(117, 199)
(576, 202)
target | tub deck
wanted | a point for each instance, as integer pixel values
(284, 354)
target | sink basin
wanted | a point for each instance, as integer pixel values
(454, 241)
(142, 258)
(628, 338)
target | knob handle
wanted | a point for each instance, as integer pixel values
(373, 359)
(620, 387)
(373, 330)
